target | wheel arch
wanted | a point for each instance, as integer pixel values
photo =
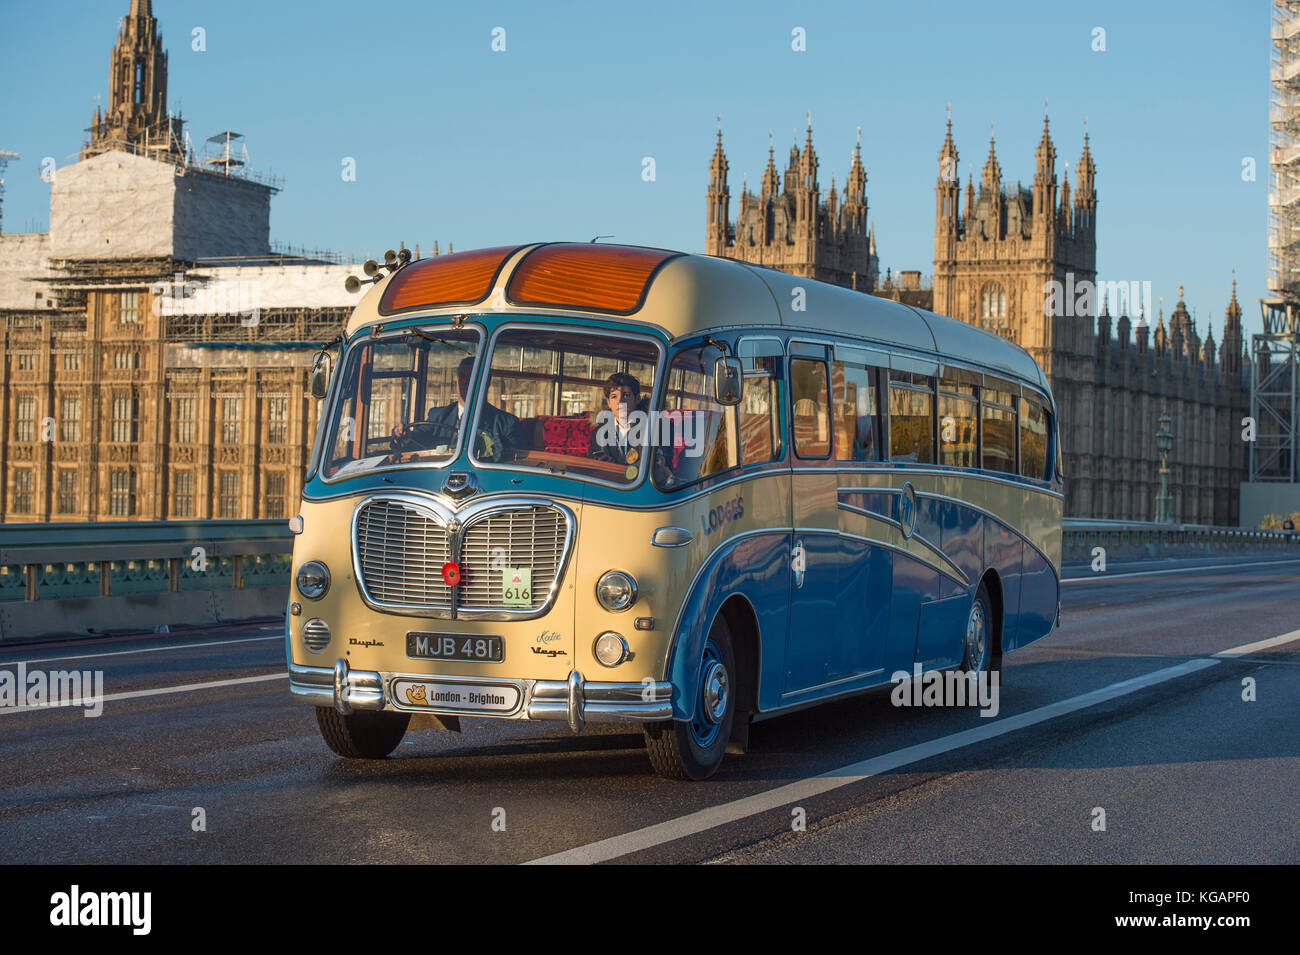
(993, 584)
(751, 589)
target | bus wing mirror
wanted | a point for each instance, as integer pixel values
(320, 375)
(727, 378)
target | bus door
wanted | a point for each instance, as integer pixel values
(815, 555)
(858, 376)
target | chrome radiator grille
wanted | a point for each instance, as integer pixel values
(524, 537)
(401, 549)
(401, 552)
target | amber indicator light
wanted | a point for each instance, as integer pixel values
(461, 278)
(598, 278)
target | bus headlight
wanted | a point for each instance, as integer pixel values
(611, 649)
(616, 590)
(313, 580)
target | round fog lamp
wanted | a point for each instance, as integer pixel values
(616, 590)
(611, 649)
(313, 580)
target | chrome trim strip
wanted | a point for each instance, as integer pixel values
(1000, 520)
(920, 539)
(894, 547)
(938, 497)
(760, 471)
(457, 523)
(836, 682)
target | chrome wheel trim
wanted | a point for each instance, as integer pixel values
(712, 698)
(977, 637)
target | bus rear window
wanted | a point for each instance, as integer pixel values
(1033, 438)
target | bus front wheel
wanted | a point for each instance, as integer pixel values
(981, 643)
(364, 734)
(693, 749)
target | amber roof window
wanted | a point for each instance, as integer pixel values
(460, 278)
(585, 276)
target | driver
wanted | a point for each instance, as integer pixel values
(498, 430)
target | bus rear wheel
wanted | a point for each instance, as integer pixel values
(693, 749)
(365, 734)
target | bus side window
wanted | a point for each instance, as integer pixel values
(911, 417)
(810, 406)
(958, 418)
(696, 436)
(998, 422)
(856, 430)
(759, 412)
(1033, 438)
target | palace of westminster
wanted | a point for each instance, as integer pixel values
(123, 398)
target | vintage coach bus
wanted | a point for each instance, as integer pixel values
(591, 483)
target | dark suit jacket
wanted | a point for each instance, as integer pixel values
(616, 453)
(501, 426)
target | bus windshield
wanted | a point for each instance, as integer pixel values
(401, 400)
(568, 401)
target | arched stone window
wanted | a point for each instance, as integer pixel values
(993, 305)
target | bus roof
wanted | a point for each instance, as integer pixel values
(678, 293)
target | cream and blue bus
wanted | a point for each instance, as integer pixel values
(590, 483)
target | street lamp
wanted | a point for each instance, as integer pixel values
(1164, 441)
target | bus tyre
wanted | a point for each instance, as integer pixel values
(693, 749)
(980, 642)
(365, 734)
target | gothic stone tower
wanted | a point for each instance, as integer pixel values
(136, 119)
(787, 226)
(994, 263)
(998, 259)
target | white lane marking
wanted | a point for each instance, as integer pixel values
(1248, 648)
(140, 694)
(1177, 570)
(122, 653)
(714, 816)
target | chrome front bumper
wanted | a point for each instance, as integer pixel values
(574, 701)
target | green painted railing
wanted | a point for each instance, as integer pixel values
(126, 558)
(1138, 539)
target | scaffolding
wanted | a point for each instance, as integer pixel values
(1275, 353)
(1275, 394)
(1284, 158)
(5, 156)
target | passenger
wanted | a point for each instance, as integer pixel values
(498, 431)
(622, 397)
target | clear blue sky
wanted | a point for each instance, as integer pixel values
(453, 141)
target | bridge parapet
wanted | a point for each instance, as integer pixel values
(58, 579)
(1138, 540)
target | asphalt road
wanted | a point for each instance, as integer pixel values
(1126, 709)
